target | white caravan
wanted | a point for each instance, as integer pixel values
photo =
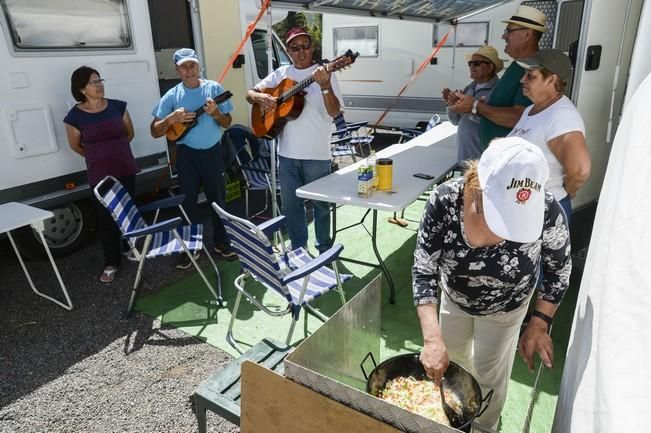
(599, 33)
(391, 52)
(131, 43)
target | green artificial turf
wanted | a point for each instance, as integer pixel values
(187, 305)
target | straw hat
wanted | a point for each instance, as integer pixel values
(491, 54)
(529, 17)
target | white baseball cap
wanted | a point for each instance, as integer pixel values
(512, 174)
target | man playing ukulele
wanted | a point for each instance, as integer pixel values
(198, 153)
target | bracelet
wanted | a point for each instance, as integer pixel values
(543, 316)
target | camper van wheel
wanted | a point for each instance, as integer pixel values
(65, 232)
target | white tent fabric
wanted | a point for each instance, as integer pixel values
(606, 384)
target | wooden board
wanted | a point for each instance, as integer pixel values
(272, 403)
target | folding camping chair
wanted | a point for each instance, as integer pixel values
(347, 139)
(407, 134)
(253, 164)
(160, 238)
(294, 275)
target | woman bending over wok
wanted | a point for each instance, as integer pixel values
(483, 240)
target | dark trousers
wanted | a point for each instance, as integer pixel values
(109, 233)
(204, 167)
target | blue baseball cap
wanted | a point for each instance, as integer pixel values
(185, 55)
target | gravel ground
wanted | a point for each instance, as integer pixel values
(90, 369)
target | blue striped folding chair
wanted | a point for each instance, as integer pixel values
(347, 139)
(160, 238)
(294, 275)
(253, 164)
(407, 134)
(353, 129)
(340, 143)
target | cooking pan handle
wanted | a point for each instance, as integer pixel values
(486, 400)
(361, 365)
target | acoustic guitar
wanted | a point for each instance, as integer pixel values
(178, 130)
(290, 100)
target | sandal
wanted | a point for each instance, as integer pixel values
(108, 274)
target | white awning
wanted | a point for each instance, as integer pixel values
(426, 10)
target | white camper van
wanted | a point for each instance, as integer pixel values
(131, 43)
(391, 52)
(598, 34)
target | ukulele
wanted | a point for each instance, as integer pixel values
(290, 100)
(179, 129)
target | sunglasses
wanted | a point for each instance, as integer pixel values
(509, 31)
(297, 48)
(476, 63)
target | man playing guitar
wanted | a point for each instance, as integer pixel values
(304, 143)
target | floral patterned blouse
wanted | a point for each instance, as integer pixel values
(486, 280)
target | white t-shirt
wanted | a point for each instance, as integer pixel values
(559, 118)
(308, 136)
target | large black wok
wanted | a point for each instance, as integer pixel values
(457, 381)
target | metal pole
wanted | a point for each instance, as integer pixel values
(197, 34)
(272, 144)
(609, 129)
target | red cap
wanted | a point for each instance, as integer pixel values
(295, 32)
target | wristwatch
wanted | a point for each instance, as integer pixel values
(474, 106)
(547, 319)
(325, 91)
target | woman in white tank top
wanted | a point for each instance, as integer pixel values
(554, 124)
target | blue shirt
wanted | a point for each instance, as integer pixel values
(468, 146)
(207, 132)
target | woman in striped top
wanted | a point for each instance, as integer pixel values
(100, 130)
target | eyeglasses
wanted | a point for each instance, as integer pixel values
(509, 31)
(297, 48)
(476, 63)
(98, 82)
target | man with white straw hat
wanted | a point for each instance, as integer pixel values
(503, 109)
(483, 241)
(484, 65)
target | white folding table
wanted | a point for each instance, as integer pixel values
(434, 153)
(15, 215)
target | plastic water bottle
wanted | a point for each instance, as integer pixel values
(371, 161)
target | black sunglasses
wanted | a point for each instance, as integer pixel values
(476, 63)
(297, 48)
(517, 29)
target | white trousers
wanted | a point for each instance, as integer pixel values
(485, 346)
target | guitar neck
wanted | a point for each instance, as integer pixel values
(222, 97)
(338, 63)
(294, 90)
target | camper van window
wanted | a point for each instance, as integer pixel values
(279, 56)
(473, 34)
(67, 24)
(364, 40)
